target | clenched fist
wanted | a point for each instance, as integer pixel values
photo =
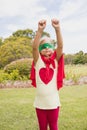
(55, 23)
(41, 25)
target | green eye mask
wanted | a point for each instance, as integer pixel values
(45, 45)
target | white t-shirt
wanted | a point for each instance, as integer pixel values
(47, 96)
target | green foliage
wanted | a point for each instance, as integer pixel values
(23, 66)
(16, 70)
(14, 75)
(24, 33)
(4, 76)
(1, 42)
(78, 58)
(14, 49)
(68, 59)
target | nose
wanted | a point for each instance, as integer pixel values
(47, 48)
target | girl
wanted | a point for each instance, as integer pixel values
(47, 75)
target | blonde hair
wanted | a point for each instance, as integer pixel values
(45, 39)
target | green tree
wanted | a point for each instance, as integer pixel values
(68, 59)
(79, 58)
(16, 49)
(24, 33)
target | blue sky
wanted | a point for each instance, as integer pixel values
(23, 14)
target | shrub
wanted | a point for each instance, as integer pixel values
(4, 76)
(23, 66)
(14, 75)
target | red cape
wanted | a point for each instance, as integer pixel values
(60, 74)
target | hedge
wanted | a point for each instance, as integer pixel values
(22, 65)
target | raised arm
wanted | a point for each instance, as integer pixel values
(59, 50)
(36, 42)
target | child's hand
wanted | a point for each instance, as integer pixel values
(55, 23)
(41, 25)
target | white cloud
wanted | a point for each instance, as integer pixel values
(18, 7)
(22, 14)
(73, 15)
(68, 8)
(75, 25)
(12, 27)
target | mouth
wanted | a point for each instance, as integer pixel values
(48, 54)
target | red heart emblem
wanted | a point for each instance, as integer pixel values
(46, 76)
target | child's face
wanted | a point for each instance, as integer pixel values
(47, 52)
(46, 49)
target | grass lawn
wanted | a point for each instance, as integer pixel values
(17, 111)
